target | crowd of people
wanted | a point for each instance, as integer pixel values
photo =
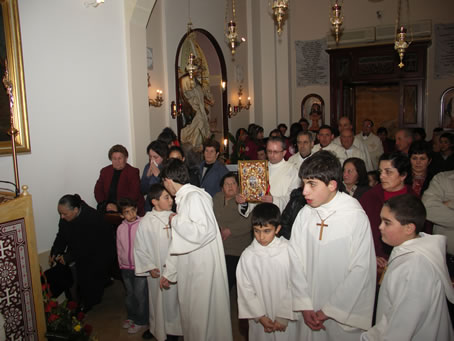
(353, 240)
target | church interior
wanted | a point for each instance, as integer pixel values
(99, 74)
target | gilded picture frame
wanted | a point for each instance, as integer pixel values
(254, 179)
(447, 109)
(11, 49)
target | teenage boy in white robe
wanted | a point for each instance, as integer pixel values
(412, 299)
(196, 260)
(150, 252)
(264, 295)
(332, 257)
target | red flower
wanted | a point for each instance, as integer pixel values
(88, 329)
(48, 308)
(71, 305)
(53, 317)
(53, 304)
(80, 316)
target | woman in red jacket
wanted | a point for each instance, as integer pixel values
(118, 180)
(395, 177)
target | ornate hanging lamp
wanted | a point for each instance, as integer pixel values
(231, 34)
(401, 44)
(279, 8)
(336, 20)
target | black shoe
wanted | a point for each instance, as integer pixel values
(147, 335)
(172, 338)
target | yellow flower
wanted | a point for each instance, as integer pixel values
(77, 327)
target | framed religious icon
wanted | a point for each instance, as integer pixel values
(447, 109)
(11, 52)
(254, 179)
(313, 110)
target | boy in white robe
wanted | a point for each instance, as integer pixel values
(150, 251)
(332, 257)
(196, 260)
(264, 295)
(412, 299)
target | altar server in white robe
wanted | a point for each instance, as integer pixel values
(332, 257)
(150, 252)
(196, 260)
(264, 295)
(412, 299)
(283, 177)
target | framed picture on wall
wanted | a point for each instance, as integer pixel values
(11, 52)
(447, 109)
(313, 110)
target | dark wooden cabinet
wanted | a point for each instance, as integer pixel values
(367, 82)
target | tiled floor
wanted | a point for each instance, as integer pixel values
(107, 317)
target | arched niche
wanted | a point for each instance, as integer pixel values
(205, 47)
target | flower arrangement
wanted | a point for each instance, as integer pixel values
(64, 320)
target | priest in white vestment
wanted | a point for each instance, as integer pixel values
(326, 137)
(345, 123)
(372, 142)
(150, 252)
(332, 257)
(196, 260)
(305, 143)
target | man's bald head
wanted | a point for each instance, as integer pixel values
(344, 123)
(346, 138)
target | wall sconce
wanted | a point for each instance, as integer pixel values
(279, 11)
(237, 108)
(157, 101)
(93, 3)
(175, 110)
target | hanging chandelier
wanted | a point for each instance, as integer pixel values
(336, 20)
(231, 34)
(401, 44)
(279, 8)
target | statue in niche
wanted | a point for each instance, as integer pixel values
(196, 96)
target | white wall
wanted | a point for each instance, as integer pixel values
(76, 88)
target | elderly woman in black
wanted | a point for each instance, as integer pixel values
(83, 240)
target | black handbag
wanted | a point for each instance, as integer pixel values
(59, 278)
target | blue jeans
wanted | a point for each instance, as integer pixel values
(136, 297)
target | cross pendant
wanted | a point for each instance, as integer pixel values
(167, 227)
(322, 225)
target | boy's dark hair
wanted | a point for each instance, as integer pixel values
(212, 143)
(408, 209)
(282, 125)
(159, 147)
(448, 136)
(175, 149)
(123, 203)
(401, 162)
(261, 148)
(175, 170)
(323, 166)
(155, 192)
(421, 132)
(266, 214)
